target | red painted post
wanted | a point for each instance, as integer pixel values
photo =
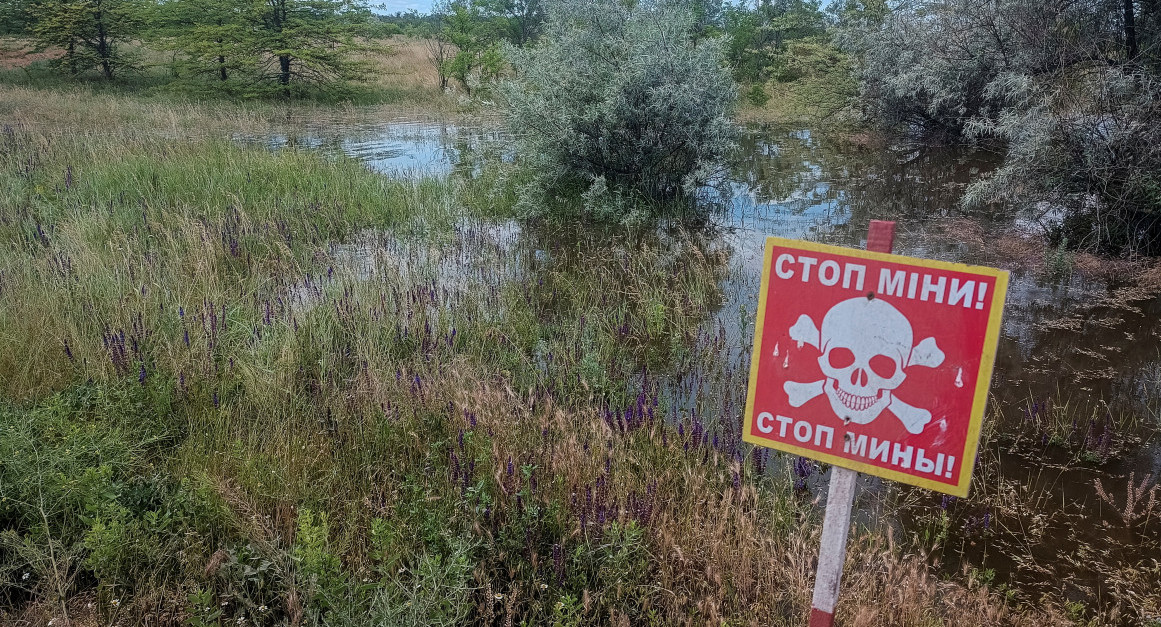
(881, 236)
(841, 494)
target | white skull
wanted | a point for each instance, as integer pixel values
(866, 344)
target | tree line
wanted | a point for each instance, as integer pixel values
(249, 46)
(242, 46)
(1069, 90)
(465, 38)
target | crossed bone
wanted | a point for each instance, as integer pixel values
(926, 354)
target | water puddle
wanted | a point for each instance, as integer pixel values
(1076, 399)
(402, 148)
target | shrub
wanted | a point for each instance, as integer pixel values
(619, 103)
(80, 503)
(1094, 151)
(1065, 87)
(757, 96)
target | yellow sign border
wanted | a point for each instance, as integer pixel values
(983, 380)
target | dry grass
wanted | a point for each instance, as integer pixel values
(351, 400)
(106, 122)
(404, 63)
(722, 552)
(18, 53)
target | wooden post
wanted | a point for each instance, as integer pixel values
(833, 547)
(841, 495)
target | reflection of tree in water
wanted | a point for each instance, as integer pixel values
(470, 151)
(799, 169)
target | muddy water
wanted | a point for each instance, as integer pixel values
(1076, 397)
(1077, 391)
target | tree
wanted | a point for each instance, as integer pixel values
(760, 39)
(212, 36)
(619, 101)
(524, 18)
(91, 32)
(746, 51)
(469, 33)
(440, 52)
(283, 46)
(305, 42)
(708, 17)
(469, 41)
(15, 14)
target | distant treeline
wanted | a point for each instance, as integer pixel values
(288, 46)
(1071, 91)
(245, 47)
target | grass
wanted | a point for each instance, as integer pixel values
(399, 80)
(241, 383)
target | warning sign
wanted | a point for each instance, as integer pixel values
(874, 362)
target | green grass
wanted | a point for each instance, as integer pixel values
(155, 80)
(274, 385)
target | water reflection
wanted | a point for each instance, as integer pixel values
(1077, 391)
(407, 148)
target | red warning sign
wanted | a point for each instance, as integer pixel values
(875, 362)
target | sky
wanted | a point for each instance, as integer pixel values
(394, 6)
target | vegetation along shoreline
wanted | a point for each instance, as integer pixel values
(314, 315)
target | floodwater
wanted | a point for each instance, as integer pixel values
(1076, 396)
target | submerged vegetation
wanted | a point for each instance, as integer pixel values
(245, 379)
(280, 387)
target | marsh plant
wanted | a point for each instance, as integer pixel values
(246, 386)
(620, 107)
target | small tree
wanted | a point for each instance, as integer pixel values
(472, 33)
(618, 101)
(523, 19)
(302, 42)
(91, 32)
(211, 34)
(440, 52)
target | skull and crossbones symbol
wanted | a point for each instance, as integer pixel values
(867, 346)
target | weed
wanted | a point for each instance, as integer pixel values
(272, 385)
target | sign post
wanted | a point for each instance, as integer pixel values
(873, 363)
(832, 551)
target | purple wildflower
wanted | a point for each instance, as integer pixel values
(558, 562)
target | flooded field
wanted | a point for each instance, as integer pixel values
(1064, 497)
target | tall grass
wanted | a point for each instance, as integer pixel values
(275, 387)
(399, 77)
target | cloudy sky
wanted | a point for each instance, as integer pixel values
(393, 6)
